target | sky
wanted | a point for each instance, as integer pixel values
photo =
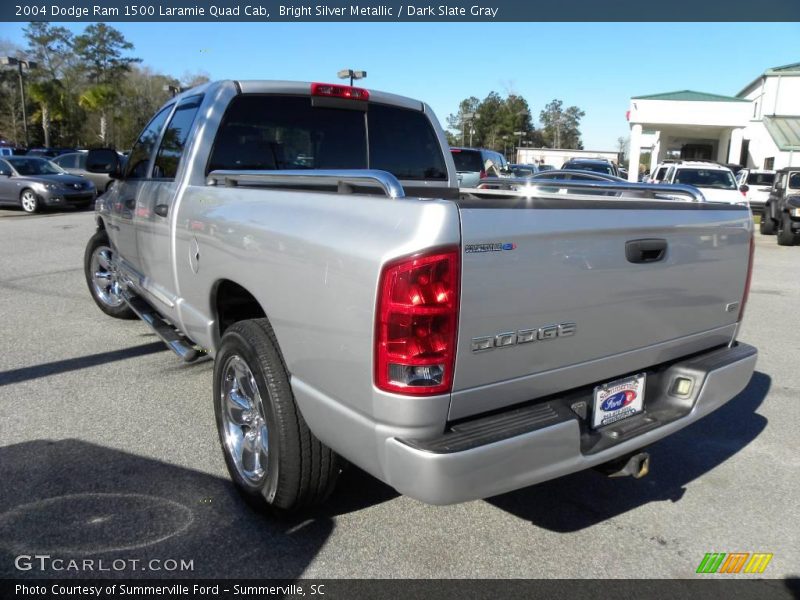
(595, 66)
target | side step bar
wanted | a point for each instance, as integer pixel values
(174, 340)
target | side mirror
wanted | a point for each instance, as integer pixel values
(104, 160)
(744, 188)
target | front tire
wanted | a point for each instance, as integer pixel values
(101, 277)
(272, 456)
(30, 201)
(785, 235)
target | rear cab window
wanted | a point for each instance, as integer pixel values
(709, 178)
(271, 132)
(760, 179)
(467, 161)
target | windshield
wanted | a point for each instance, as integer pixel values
(794, 181)
(467, 160)
(709, 178)
(34, 166)
(760, 178)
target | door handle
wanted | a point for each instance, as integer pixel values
(161, 209)
(646, 250)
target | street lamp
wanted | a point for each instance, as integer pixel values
(468, 117)
(173, 89)
(345, 73)
(10, 61)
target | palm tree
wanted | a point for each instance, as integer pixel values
(49, 95)
(99, 98)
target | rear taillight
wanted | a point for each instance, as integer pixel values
(483, 174)
(332, 90)
(749, 277)
(415, 330)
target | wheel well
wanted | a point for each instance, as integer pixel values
(233, 303)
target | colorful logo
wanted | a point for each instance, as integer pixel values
(618, 400)
(734, 562)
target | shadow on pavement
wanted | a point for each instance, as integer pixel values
(79, 362)
(586, 498)
(76, 500)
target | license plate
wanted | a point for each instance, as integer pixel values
(618, 400)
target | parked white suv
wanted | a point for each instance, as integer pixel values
(657, 175)
(759, 184)
(717, 183)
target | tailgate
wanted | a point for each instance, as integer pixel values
(525, 271)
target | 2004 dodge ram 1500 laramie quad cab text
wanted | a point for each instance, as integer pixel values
(454, 343)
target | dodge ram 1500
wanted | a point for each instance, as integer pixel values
(456, 344)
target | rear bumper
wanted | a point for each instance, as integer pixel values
(514, 449)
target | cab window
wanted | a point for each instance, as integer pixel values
(174, 140)
(142, 150)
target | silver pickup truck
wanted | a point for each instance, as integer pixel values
(455, 344)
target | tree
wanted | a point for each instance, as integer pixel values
(99, 98)
(561, 128)
(459, 122)
(495, 123)
(100, 49)
(48, 95)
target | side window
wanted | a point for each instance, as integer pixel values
(794, 181)
(143, 148)
(5, 168)
(174, 140)
(67, 161)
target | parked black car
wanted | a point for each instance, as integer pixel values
(782, 211)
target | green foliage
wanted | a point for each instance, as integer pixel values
(503, 123)
(560, 126)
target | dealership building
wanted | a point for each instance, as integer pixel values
(758, 128)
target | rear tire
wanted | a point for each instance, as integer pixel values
(100, 273)
(767, 226)
(272, 456)
(785, 235)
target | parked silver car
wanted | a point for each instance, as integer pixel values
(75, 163)
(34, 183)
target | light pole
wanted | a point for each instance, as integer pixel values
(468, 117)
(172, 89)
(10, 61)
(505, 146)
(345, 73)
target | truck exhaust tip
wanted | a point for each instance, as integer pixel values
(634, 465)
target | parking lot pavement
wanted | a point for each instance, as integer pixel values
(108, 450)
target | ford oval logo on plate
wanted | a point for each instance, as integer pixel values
(619, 400)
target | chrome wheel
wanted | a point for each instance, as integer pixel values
(104, 277)
(29, 201)
(245, 432)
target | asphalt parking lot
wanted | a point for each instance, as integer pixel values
(108, 450)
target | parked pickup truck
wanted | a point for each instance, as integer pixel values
(312, 240)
